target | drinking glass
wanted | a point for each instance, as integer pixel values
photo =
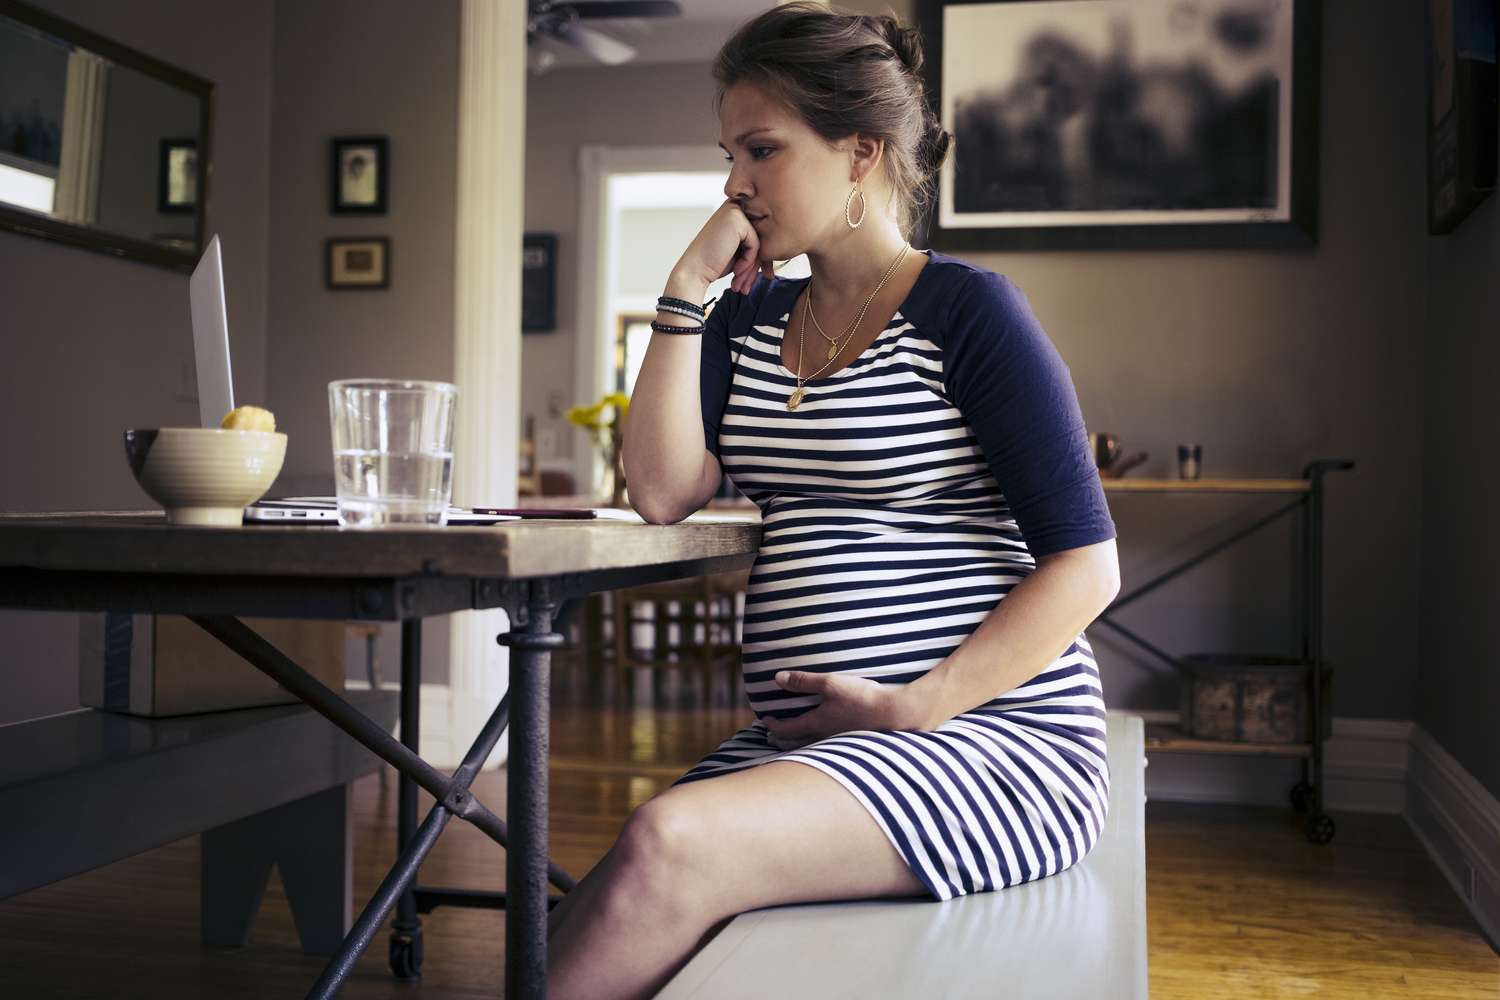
(392, 451)
(1189, 461)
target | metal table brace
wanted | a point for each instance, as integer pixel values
(531, 606)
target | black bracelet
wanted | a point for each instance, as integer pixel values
(661, 327)
(667, 300)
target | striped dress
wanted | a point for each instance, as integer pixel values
(887, 539)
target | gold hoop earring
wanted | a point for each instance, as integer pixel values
(863, 208)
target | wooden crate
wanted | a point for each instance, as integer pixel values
(1250, 698)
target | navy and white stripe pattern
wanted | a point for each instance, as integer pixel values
(886, 541)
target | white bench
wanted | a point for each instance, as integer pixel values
(263, 786)
(1079, 933)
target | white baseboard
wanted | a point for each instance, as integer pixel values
(1364, 770)
(1458, 821)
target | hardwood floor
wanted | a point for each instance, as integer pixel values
(1239, 904)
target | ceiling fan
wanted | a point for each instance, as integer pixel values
(560, 22)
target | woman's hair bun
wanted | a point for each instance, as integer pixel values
(906, 41)
(935, 146)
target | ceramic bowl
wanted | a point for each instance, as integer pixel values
(204, 475)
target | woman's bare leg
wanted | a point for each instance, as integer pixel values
(700, 853)
(585, 889)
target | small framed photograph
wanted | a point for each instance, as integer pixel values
(358, 262)
(361, 168)
(538, 282)
(177, 176)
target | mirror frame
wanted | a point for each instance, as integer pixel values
(116, 244)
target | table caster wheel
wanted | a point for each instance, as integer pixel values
(1302, 797)
(1319, 828)
(406, 956)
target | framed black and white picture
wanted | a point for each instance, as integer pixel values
(1463, 91)
(1099, 124)
(177, 176)
(360, 174)
(538, 282)
(354, 262)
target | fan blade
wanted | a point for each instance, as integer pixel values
(597, 44)
(627, 8)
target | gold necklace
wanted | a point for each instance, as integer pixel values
(795, 399)
(833, 342)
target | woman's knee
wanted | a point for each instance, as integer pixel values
(662, 860)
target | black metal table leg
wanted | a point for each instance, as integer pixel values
(398, 880)
(406, 930)
(526, 799)
(529, 868)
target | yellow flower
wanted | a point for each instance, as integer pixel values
(585, 416)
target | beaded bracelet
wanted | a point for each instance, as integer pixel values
(661, 327)
(693, 308)
(698, 315)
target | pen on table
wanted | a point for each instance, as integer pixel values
(571, 512)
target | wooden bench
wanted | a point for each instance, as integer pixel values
(263, 785)
(1079, 933)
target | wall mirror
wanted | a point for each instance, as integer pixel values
(101, 146)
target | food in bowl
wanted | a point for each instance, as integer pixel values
(248, 418)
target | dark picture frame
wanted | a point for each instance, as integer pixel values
(353, 263)
(1055, 147)
(359, 175)
(1463, 94)
(177, 176)
(538, 282)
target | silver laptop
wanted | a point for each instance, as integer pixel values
(216, 397)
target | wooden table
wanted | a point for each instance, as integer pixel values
(133, 561)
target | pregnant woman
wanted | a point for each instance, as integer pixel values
(929, 714)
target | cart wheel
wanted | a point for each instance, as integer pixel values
(406, 956)
(1319, 828)
(1302, 797)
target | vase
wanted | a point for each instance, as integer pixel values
(615, 465)
(616, 483)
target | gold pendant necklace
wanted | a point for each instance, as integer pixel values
(833, 342)
(795, 399)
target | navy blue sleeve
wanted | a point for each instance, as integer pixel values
(713, 371)
(725, 329)
(1016, 394)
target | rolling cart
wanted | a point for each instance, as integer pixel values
(1307, 795)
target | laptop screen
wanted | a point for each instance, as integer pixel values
(211, 337)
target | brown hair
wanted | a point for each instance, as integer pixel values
(844, 73)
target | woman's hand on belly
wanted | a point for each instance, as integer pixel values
(849, 703)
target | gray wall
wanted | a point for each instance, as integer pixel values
(1458, 685)
(93, 344)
